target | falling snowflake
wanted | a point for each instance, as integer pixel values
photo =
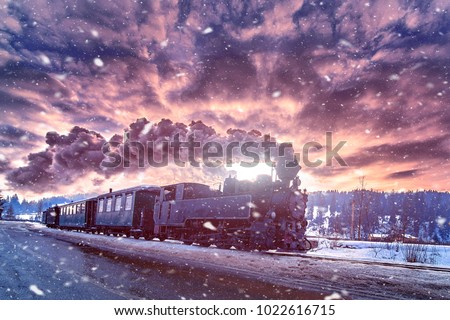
(441, 221)
(345, 43)
(207, 30)
(44, 59)
(209, 225)
(98, 62)
(164, 43)
(276, 94)
(251, 205)
(394, 77)
(34, 288)
(334, 296)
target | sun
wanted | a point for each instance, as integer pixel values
(244, 173)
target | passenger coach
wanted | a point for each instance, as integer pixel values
(127, 212)
(78, 215)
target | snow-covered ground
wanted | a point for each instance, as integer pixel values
(354, 280)
(396, 253)
(435, 255)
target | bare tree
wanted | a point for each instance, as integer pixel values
(39, 209)
(2, 203)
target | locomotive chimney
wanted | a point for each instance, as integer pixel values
(287, 169)
(110, 190)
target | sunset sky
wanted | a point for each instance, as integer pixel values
(76, 73)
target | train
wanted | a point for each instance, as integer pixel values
(264, 214)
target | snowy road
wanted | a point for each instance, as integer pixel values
(50, 265)
(70, 265)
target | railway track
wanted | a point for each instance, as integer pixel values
(360, 261)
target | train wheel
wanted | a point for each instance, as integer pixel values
(223, 246)
(204, 244)
(187, 239)
(148, 236)
(162, 238)
(136, 236)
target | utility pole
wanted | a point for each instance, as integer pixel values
(360, 205)
(352, 230)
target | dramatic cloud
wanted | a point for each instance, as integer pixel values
(403, 174)
(375, 73)
(15, 137)
(4, 164)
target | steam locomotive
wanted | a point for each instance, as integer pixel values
(261, 215)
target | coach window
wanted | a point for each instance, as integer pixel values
(118, 203)
(128, 201)
(83, 208)
(100, 205)
(108, 204)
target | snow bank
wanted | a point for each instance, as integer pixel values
(435, 255)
